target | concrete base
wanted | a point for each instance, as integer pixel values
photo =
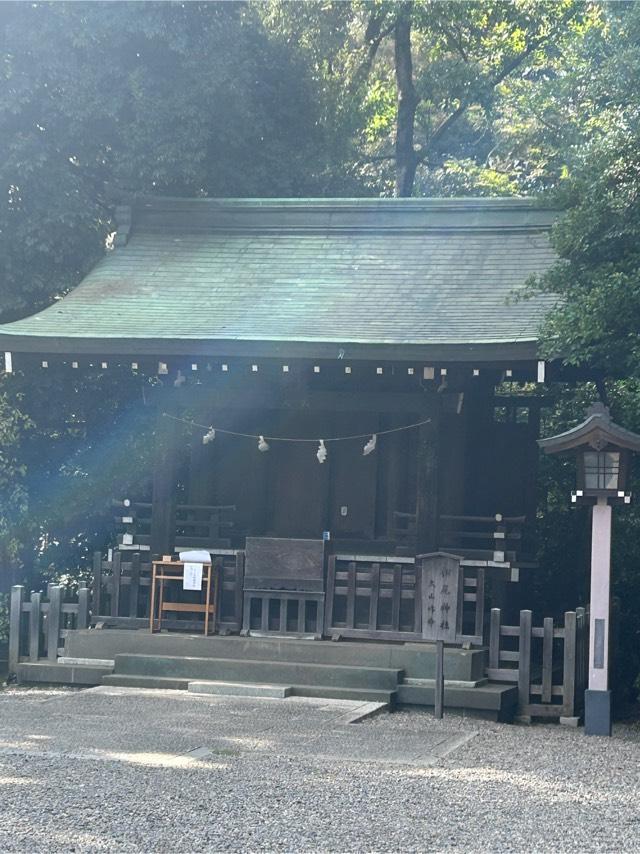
(494, 701)
(417, 660)
(597, 712)
(240, 689)
(379, 673)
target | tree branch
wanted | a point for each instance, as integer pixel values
(374, 35)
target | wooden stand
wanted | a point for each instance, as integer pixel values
(174, 571)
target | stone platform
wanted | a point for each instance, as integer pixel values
(372, 672)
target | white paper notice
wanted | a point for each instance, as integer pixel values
(192, 576)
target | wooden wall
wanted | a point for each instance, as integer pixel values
(483, 465)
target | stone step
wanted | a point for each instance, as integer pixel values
(123, 680)
(497, 701)
(327, 692)
(96, 662)
(332, 692)
(240, 689)
(416, 659)
(48, 672)
(248, 670)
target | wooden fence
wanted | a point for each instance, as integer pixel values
(380, 598)
(548, 663)
(120, 591)
(39, 625)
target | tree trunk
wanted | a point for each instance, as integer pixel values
(406, 156)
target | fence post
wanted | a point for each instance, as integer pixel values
(83, 608)
(479, 621)
(547, 660)
(97, 582)
(494, 639)
(524, 665)
(53, 621)
(15, 626)
(569, 665)
(582, 656)
(116, 569)
(134, 586)
(34, 627)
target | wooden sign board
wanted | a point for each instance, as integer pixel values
(440, 584)
(282, 564)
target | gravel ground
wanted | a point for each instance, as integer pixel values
(115, 769)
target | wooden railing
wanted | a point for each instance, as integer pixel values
(487, 539)
(39, 625)
(201, 526)
(548, 663)
(195, 525)
(380, 598)
(120, 591)
(496, 539)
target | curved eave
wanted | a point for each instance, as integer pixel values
(489, 351)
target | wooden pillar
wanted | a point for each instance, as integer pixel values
(531, 501)
(427, 510)
(163, 498)
(389, 464)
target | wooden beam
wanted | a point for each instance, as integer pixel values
(410, 404)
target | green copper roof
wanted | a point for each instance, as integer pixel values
(386, 272)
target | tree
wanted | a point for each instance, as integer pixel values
(427, 75)
(597, 277)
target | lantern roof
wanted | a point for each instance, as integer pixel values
(597, 431)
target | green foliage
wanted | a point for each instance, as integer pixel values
(13, 493)
(599, 277)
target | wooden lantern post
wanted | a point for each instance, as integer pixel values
(602, 450)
